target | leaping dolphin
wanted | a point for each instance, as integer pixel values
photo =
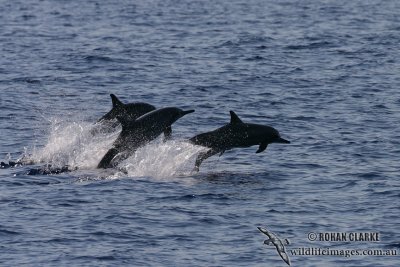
(131, 111)
(139, 132)
(128, 112)
(235, 134)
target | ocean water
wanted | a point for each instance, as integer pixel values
(324, 73)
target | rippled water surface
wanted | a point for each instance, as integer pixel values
(324, 73)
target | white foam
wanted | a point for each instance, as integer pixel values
(162, 159)
(74, 144)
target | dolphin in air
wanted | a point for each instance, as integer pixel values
(131, 111)
(141, 131)
(235, 134)
(274, 240)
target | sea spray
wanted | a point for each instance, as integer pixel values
(162, 159)
(78, 145)
(73, 144)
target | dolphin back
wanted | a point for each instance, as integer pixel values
(137, 133)
(130, 111)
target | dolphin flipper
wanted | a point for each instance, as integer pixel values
(262, 147)
(204, 155)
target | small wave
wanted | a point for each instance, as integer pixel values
(104, 59)
(4, 232)
(247, 39)
(98, 58)
(97, 258)
(304, 118)
(255, 58)
(369, 175)
(191, 197)
(314, 45)
(393, 245)
(30, 80)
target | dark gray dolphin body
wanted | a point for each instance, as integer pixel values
(126, 112)
(130, 111)
(139, 132)
(235, 134)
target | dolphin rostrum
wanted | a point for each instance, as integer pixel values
(139, 132)
(235, 134)
(274, 240)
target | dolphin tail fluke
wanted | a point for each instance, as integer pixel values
(105, 162)
(203, 156)
(196, 169)
(115, 101)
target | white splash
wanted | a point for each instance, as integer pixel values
(162, 159)
(73, 144)
(77, 145)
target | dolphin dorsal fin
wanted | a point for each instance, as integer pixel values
(235, 118)
(115, 101)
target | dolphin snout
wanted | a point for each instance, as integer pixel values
(184, 112)
(281, 140)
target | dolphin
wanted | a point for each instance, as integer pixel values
(235, 134)
(274, 240)
(132, 111)
(139, 132)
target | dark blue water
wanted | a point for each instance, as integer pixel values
(324, 73)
